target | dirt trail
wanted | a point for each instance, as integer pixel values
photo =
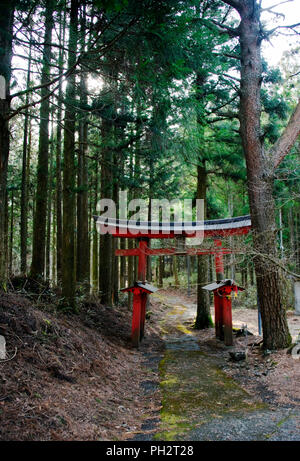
(199, 400)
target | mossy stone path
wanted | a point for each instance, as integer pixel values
(199, 401)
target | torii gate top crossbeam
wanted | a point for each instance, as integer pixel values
(209, 228)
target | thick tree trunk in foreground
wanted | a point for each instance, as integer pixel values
(260, 185)
(260, 175)
(6, 24)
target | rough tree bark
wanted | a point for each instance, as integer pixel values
(24, 186)
(95, 259)
(39, 224)
(6, 29)
(49, 205)
(161, 271)
(11, 233)
(115, 241)
(68, 245)
(62, 29)
(83, 260)
(105, 246)
(203, 317)
(260, 174)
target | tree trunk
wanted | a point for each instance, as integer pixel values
(58, 155)
(6, 25)
(49, 205)
(68, 259)
(260, 181)
(83, 260)
(53, 247)
(115, 241)
(297, 238)
(105, 248)
(39, 225)
(24, 186)
(130, 241)
(203, 317)
(95, 259)
(11, 234)
(175, 271)
(161, 271)
(130, 270)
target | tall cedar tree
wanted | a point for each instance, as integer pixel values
(39, 224)
(261, 167)
(24, 186)
(83, 260)
(68, 249)
(6, 31)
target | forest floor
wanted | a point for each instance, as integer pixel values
(208, 396)
(78, 377)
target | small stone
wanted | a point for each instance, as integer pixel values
(243, 332)
(238, 355)
(267, 352)
(2, 348)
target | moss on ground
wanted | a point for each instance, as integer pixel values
(194, 389)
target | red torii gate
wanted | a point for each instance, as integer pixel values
(143, 231)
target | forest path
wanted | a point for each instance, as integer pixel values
(199, 400)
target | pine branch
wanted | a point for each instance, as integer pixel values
(234, 3)
(270, 8)
(276, 262)
(286, 141)
(226, 29)
(291, 26)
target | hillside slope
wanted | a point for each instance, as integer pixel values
(70, 377)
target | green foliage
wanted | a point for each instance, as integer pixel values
(167, 87)
(111, 6)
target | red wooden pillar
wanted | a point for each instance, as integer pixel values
(227, 320)
(144, 297)
(218, 297)
(136, 317)
(218, 302)
(142, 271)
(142, 264)
(219, 260)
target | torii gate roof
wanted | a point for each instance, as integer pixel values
(208, 228)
